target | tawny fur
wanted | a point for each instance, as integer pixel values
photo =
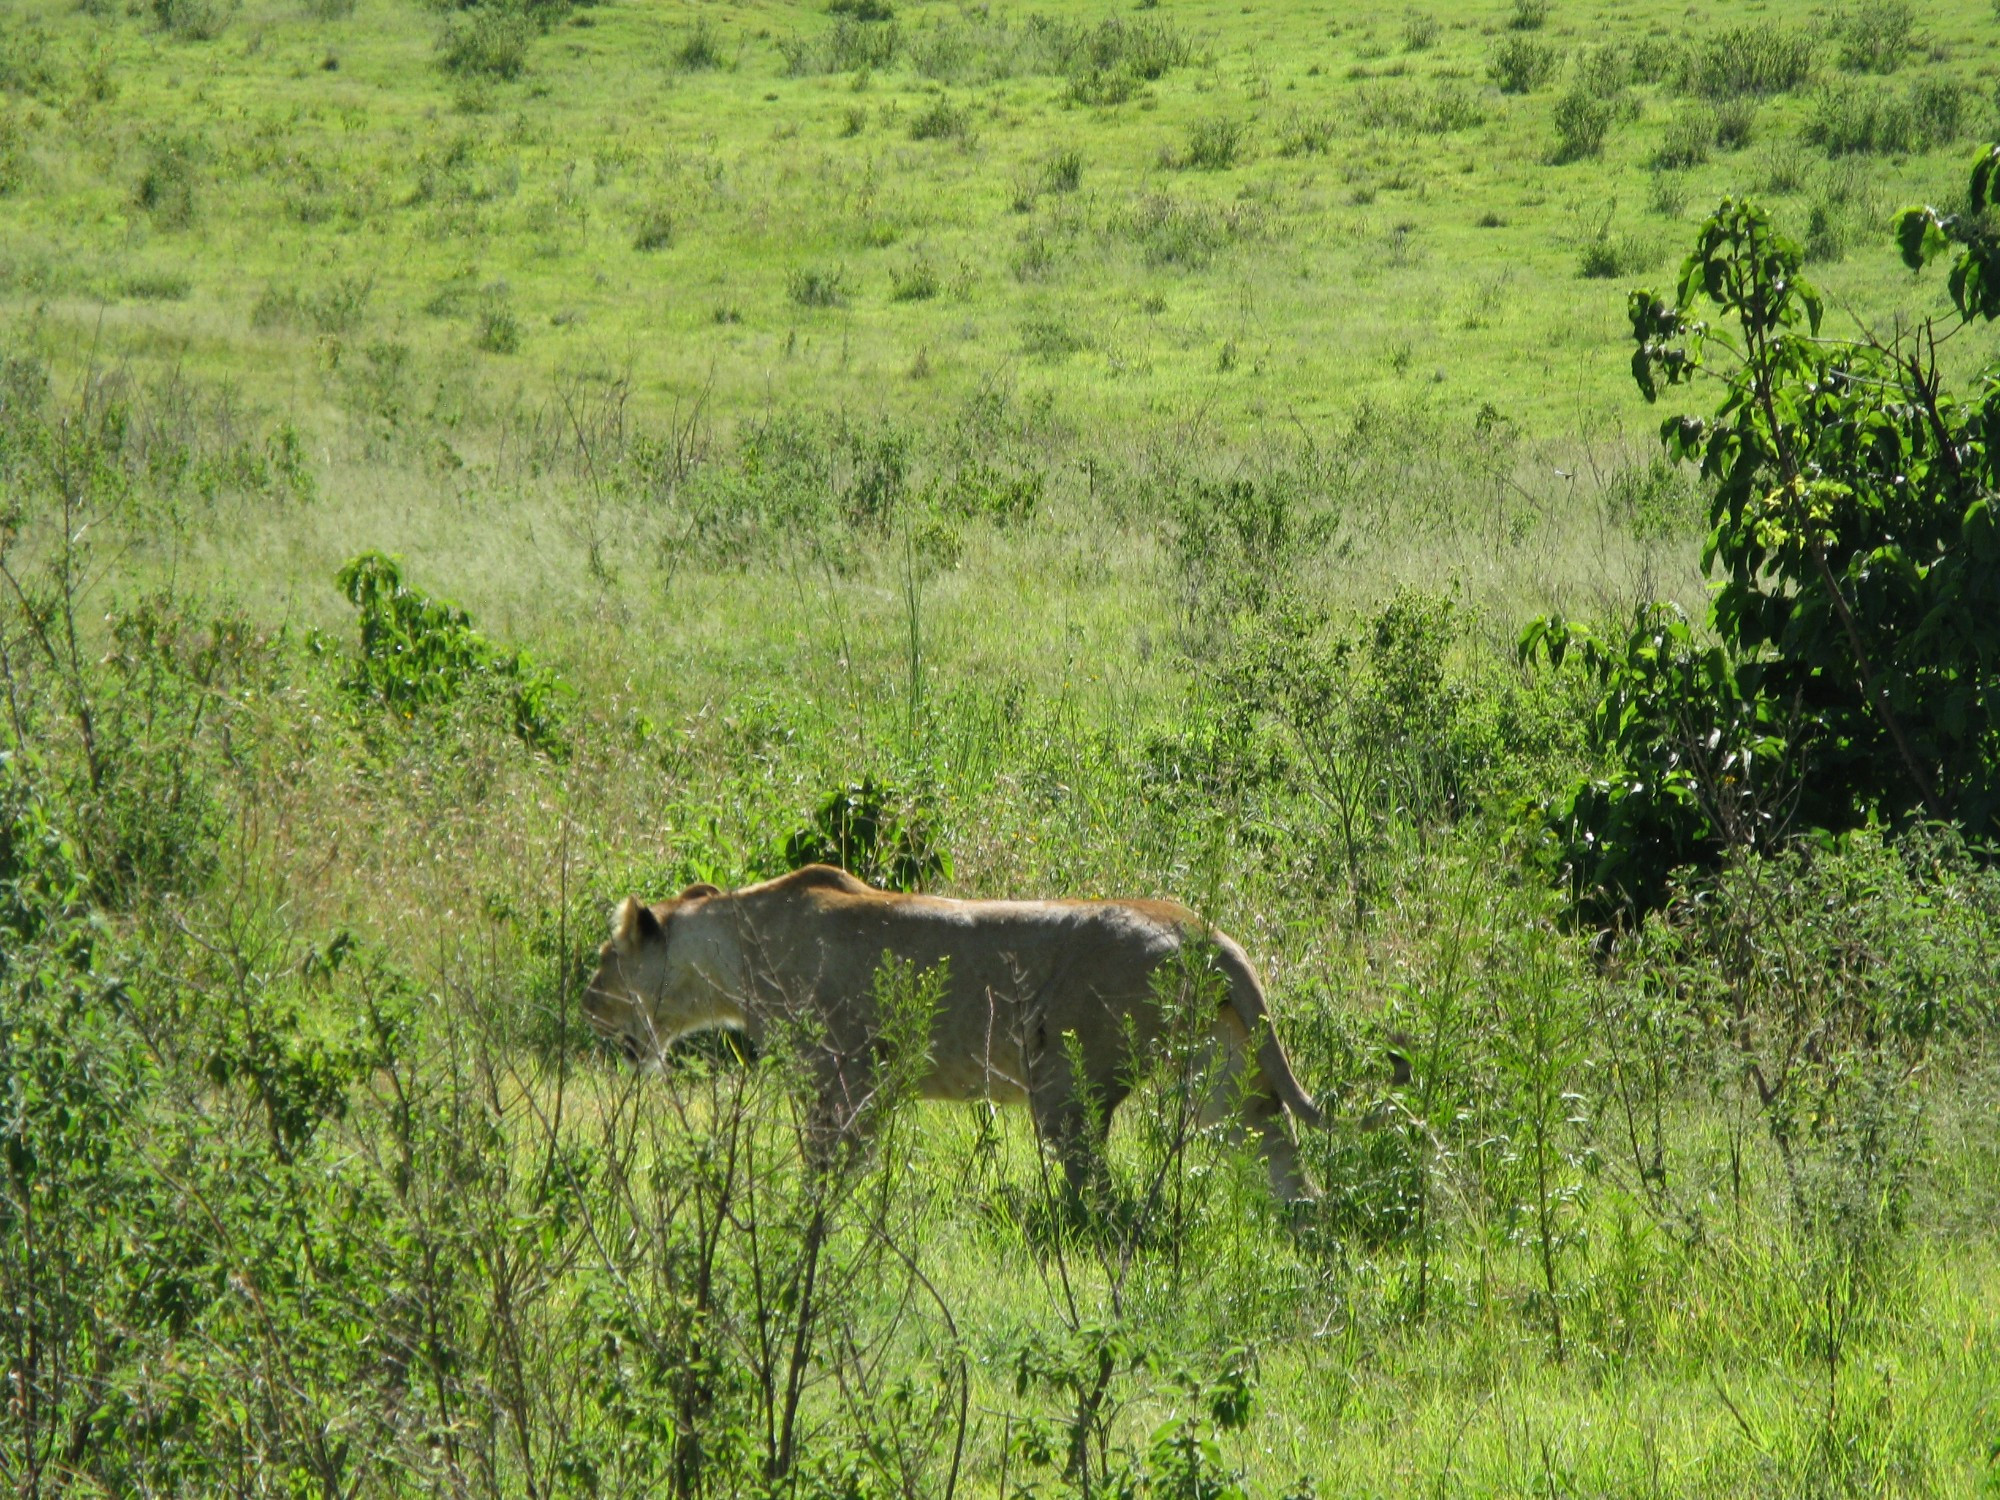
(1020, 977)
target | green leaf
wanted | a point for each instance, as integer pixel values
(1920, 235)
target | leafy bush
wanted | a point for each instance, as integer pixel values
(1607, 255)
(1173, 232)
(1938, 110)
(980, 490)
(1383, 732)
(1420, 31)
(1735, 123)
(1528, 15)
(419, 654)
(13, 152)
(1851, 118)
(193, 20)
(1582, 121)
(1108, 63)
(1522, 64)
(1439, 110)
(1063, 171)
(1304, 134)
(1685, 141)
(1052, 340)
(699, 49)
(816, 286)
(1659, 59)
(849, 45)
(871, 830)
(655, 230)
(941, 120)
(916, 282)
(1757, 57)
(1237, 544)
(1860, 581)
(1213, 143)
(168, 186)
(1874, 36)
(489, 42)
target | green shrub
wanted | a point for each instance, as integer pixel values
(13, 152)
(816, 286)
(1522, 64)
(1862, 119)
(1875, 36)
(1107, 64)
(1723, 746)
(169, 183)
(655, 230)
(1305, 134)
(1603, 73)
(846, 46)
(1420, 31)
(1453, 107)
(873, 830)
(1659, 59)
(1757, 57)
(485, 43)
(340, 305)
(1582, 121)
(1735, 123)
(1667, 194)
(1684, 143)
(1784, 167)
(1528, 15)
(1172, 232)
(499, 330)
(981, 491)
(699, 49)
(156, 286)
(1213, 143)
(193, 20)
(1606, 255)
(1938, 111)
(916, 282)
(941, 120)
(1447, 106)
(1658, 500)
(1063, 171)
(1052, 340)
(419, 655)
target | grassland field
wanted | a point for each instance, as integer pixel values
(958, 400)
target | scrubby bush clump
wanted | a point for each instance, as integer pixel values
(1756, 58)
(420, 655)
(1859, 564)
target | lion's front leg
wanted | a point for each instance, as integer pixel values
(1072, 1112)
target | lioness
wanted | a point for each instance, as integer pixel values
(1020, 976)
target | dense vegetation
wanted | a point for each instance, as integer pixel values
(462, 465)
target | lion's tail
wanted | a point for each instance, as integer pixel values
(1246, 995)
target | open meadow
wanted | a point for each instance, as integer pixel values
(462, 464)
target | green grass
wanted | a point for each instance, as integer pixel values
(979, 416)
(304, 150)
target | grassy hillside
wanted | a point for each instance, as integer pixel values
(1108, 451)
(1260, 215)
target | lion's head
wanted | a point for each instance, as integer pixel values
(630, 1000)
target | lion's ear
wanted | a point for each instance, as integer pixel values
(699, 889)
(633, 924)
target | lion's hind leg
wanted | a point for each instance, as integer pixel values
(1244, 1103)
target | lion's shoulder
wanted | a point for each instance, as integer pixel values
(821, 878)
